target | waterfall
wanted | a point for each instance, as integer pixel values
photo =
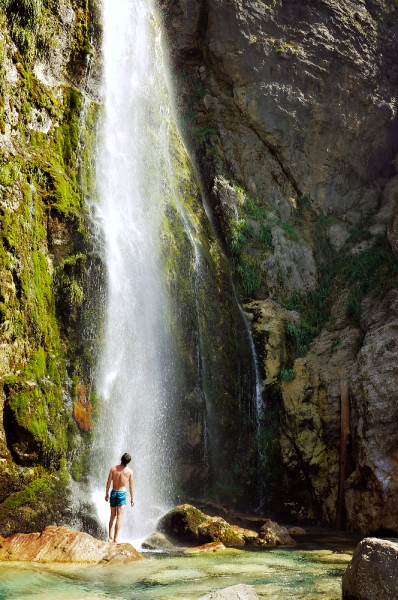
(134, 368)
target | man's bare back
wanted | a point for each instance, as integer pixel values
(121, 476)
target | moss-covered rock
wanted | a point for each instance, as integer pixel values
(182, 523)
(45, 259)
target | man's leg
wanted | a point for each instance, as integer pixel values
(112, 522)
(119, 517)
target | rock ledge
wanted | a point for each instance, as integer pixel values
(63, 545)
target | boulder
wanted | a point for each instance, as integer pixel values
(274, 534)
(158, 541)
(235, 592)
(63, 545)
(296, 531)
(182, 524)
(373, 571)
(218, 530)
(186, 524)
(206, 548)
(248, 535)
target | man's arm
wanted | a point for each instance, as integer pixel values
(132, 488)
(108, 485)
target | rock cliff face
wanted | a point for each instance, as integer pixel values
(48, 272)
(51, 285)
(289, 110)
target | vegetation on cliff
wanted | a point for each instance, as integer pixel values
(46, 146)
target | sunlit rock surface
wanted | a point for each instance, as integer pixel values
(290, 112)
(188, 524)
(63, 545)
(373, 571)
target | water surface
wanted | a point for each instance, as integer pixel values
(308, 571)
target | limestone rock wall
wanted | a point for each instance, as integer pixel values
(48, 116)
(289, 111)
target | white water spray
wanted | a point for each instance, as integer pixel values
(130, 176)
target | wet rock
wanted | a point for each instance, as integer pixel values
(157, 541)
(219, 530)
(274, 534)
(248, 535)
(206, 548)
(371, 489)
(235, 592)
(373, 571)
(63, 545)
(249, 521)
(269, 321)
(182, 524)
(296, 531)
(187, 524)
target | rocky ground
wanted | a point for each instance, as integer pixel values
(63, 545)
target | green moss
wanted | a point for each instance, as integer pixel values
(287, 375)
(44, 487)
(247, 270)
(241, 233)
(39, 504)
(265, 236)
(291, 232)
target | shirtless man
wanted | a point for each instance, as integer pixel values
(120, 476)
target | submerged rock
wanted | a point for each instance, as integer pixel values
(157, 541)
(274, 534)
(373, 571)
(235, 592)
(63, 545)
(211, 547)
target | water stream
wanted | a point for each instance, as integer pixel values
(134, 367)
(308, 572)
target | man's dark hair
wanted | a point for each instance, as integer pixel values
(126, 458)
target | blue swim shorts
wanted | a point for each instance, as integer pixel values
(118, 498)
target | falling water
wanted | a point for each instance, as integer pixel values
(133, 370)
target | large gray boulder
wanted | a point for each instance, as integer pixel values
(373, 571)
(235, 592)
(158, 541)
(273, 534)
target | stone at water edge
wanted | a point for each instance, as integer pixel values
(296, 531)
(187, 524)
(158, 541)
(248, 535)
(181, 524)
(273, 534)
(373, 571)
(235, 592)
(220, 531)
(63, 545)
(206, 548)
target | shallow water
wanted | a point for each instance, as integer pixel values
(308, 571)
